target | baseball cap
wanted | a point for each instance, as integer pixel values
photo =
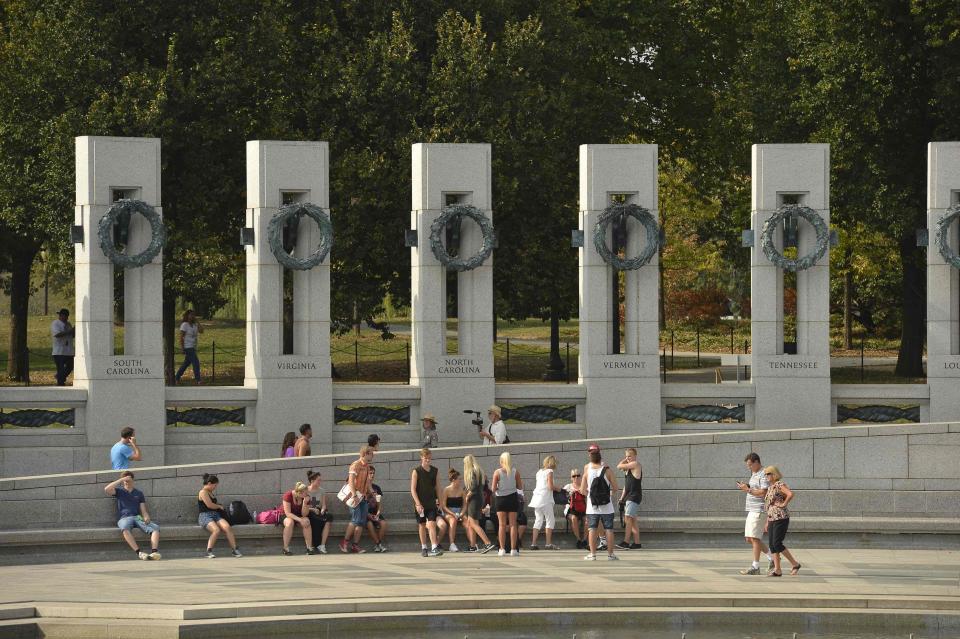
(593, 448)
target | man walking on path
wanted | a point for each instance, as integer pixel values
(360, 483)
(756, 489)
(598, 487)
(63, 334)
(425, 490)
(302, 447)
(132, 513)
(125, 450)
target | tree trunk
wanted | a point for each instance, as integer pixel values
(169, 335)
(555, 369)
(910, 358)
(18, 362)
(848, 309)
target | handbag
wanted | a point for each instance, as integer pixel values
(348, 497)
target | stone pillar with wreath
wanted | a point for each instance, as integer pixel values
(619, 289)
(119, 225)
(791, 235)
(451, 253)
(289, 234)
(943, 280)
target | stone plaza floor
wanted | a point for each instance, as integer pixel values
(918, 582)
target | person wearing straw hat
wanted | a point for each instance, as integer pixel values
(430, 438)
(496, 432)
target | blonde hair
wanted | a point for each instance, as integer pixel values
(472, 473)
(550, 462)
(300, 488)
(425, 453)
(366, 448)
(773, 470)
(506, 462)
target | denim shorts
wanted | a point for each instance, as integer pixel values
(358, 515)
(631, 509)
(207, 518)
(129, 523)
(606, 518)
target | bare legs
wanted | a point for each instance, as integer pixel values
(289, 525)
(215, 528)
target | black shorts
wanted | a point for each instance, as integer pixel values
(429, 514)
(376, 522)
(522, 517)
(777, 532)
(508, 503)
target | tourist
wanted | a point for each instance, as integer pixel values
(376, 522)
(630, 498)
(358, 478)
(778, 520)
(189, 329)
(474, 481)
(373, 441)
(320, 518)
(506, 483)
(63, 334)
(295, 502)
(756, 489)
(125, 450)
(430, 437)
(132, 513)
(521, 518)
(286, 448)
(302, 447)
(542, 504)
(496, 432)
(451, 506)
(598, 486)
(425, 490)
(211, 516)
(576, 510)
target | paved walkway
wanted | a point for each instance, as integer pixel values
(833, 573)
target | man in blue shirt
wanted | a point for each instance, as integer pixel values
(132, 513)
(125, 450)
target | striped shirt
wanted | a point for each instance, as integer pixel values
(755, 504)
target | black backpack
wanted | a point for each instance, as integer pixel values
(600, 489)
(238, 513)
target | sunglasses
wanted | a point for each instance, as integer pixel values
(574, 476)
(769, 474)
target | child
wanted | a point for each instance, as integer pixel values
(376, 522)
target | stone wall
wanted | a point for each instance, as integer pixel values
(901, 471)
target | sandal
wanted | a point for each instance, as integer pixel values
(774, 574)
(796, 569)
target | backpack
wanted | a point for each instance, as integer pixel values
(238, 513)
(273, 516)
(600, 489)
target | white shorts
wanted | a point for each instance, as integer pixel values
(544, 516)
(754, 526)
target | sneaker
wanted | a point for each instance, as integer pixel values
(322, 549)
(534, 547)
(236, 552)
(501, 553)
(286, 552)
(383, 548)
(356, 549)
(311, 551)
(612, 558)
(343, 546)
(750, 571)
(471, 549)
(486, 549)
(514, 553)
(155, 555)
(581, 544)
(142, 555)
(210, 555)
(622, 546)
(453, 548)
(636, 546)
(601, 545)
(550, 547)
(424, 552)
(434, 552)
(590, 557)
(376, 548)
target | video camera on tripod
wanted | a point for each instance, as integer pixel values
(477, 421)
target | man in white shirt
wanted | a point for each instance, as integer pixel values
(63, 333)
(756, 489)
(496, 432)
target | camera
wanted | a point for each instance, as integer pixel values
(476, 421)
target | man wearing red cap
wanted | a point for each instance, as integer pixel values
(598, 486)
